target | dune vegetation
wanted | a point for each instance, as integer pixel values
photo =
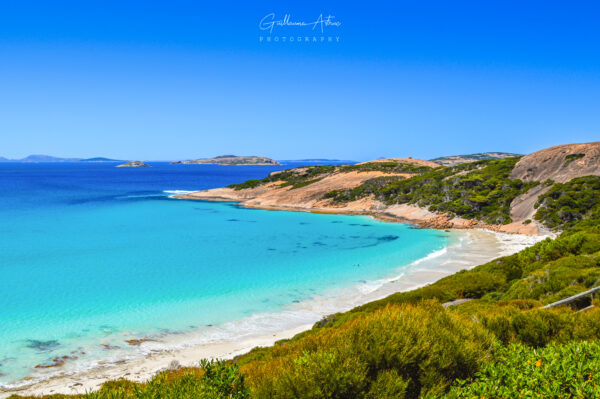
(478, 190)
(498, 343)
(302, 176)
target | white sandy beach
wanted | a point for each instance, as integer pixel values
(472, 248)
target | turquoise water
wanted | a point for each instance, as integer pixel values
(86, 269)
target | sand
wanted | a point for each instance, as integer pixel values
(472, 247)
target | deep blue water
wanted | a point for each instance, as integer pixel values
(92, 255)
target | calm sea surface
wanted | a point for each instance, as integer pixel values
(92, 255)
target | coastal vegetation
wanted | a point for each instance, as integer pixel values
(212, 380)
(290, 177)
(477, 190)
(303, 176)
(567, 203)
(480, 333)
(519, 371)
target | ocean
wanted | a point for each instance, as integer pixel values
(95, 260)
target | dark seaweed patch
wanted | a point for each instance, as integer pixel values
(319, 243)
(42, 346)
(387, 238)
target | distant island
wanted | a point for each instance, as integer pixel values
(134, 164)
(100, 159)
(49, 158)
(45, 158)
(458, 159)
(231, 160)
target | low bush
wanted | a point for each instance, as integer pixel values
(557, 371)
(398, 350)
(565, 204)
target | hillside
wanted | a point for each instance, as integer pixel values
(500, 194)
(400, 189)
(231, 160)
(306, 188)
(453, 160)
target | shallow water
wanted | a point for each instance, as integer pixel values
(92, 256)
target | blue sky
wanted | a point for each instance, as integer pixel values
(178, 79)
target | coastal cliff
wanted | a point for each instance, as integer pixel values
(498, 194)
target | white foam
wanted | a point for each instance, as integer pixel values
(468, 249)
(177, 191)
(173, 193)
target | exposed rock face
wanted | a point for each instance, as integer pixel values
(560, 163)
(133, 164)
(458, 159)
(231, 160)
(522, 207)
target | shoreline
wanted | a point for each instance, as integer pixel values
(404, 215)
(470, 248)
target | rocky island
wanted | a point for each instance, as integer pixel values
(134, 164)
(231, 160)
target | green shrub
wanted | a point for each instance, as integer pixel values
(557, 371)
(558, 279)
(402, 348)
(213, 380)
(564, 205)
(477, 190)
(388, 385)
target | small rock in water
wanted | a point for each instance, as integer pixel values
(56, 362)
(110, 347)
(138, 342)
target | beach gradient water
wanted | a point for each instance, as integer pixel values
(92, 256)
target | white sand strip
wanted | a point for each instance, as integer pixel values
(472, 248)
